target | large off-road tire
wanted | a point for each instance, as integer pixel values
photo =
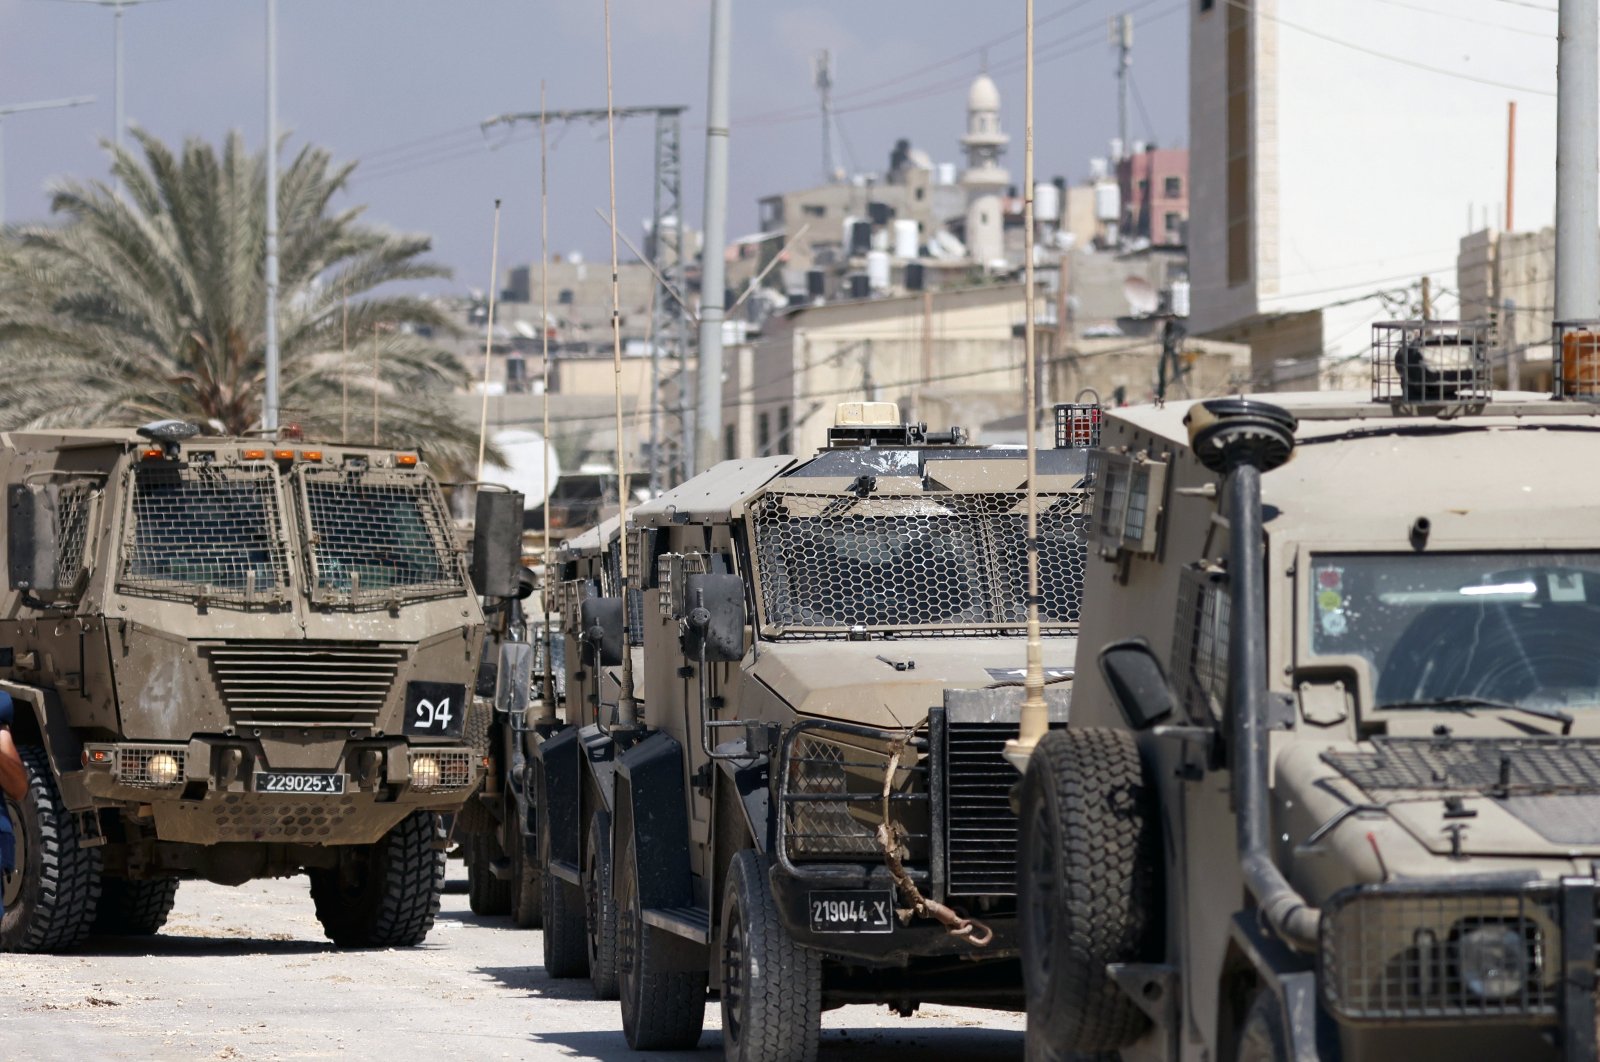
(1088, 874)
(486, 894)
(134, 908)
(527, 892)
(384, 895)
(1261, 1038)
(565, 953)
(51, 899)
(771, 987)
(600, 908)
(662, 1009)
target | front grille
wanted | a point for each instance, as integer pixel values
(980, 827)
(1389, 955)
(832, 796)
(304, 683)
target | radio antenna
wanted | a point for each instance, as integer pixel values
(548, 712)
(488, 340)
(1035, 714)
(627, 708)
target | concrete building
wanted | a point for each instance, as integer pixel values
(1509, 277)
(947, 357)
(1332, 165)
(1155, 195)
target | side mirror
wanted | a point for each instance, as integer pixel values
(515, 684)
(1137, 683)
(527, 582)
(716, 617)
(497, 543)
(33, 538)
(602, 631)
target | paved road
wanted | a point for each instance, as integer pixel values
(246, 974)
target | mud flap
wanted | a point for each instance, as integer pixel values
(600, 765)
(1288, 976)
(751, 783)
(653, 771)
(558, 756)
(61, 745)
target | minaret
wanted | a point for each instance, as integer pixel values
(985, 179)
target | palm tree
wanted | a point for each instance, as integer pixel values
(152, 305)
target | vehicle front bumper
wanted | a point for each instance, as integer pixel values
(213, 795)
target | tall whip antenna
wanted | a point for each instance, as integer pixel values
(488, 339)
(548, 713)
(344, 366)
(627, 709)
(1035, 715)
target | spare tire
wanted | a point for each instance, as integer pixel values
(1088, 888)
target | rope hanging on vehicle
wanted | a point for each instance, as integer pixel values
(891, 838)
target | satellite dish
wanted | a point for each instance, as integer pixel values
(1142, 298)
(525, 330)
(525, 457)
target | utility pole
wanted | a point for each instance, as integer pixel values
(1122, 40)
(1577, 163)
(269, 411)
(708, 420)
(1511, 166)
(824, 69)
(666, 257)
(7, 110)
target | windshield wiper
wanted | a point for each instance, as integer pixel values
(1553, 714)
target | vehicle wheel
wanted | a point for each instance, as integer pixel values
(384, 895)
(527, 892)
(771, 987)
(1087, 868)
(486, 894)
(1261, 1038)
(134, 908)
(662, 1010)
(600, 908)
(52, 896)
(565, 954)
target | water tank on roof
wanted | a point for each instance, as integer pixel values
(945, 174)
(860, 237)
(1180, 298)
(1107, 201)
(905, 238)
(879, 213)
(859, 288)
(916, 276)
(878, 270)
(816, 283)
(1046, 203)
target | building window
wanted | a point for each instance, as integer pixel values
(814, 210)
(729, 443)
(763, 432)
(1206, 5)
(784, 442)
(1239, 192)
(1174, 223)
(1174, 187)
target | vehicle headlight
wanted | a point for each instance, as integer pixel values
(163, 768)
(1493, 961)
(424, 772)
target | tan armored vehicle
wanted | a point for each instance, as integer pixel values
(230, 660)
(1331, 788)
(801, 816)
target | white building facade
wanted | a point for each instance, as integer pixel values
(1339, 152)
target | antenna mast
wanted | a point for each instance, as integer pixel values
(824, 83)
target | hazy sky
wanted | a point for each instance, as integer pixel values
(402, 84)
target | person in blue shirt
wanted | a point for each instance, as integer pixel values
(13, 783)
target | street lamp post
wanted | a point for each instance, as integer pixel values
(118, 115)
(269, 411)
(7, 110)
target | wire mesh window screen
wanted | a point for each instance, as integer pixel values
(74, 509)
(1200, 642)
(373, 537)
(206, 530)
(829, 562)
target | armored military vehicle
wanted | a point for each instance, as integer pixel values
(1331, 782)
(572, 758)
(230, 660)
(801, 817)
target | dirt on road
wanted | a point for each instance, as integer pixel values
(245, 973)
